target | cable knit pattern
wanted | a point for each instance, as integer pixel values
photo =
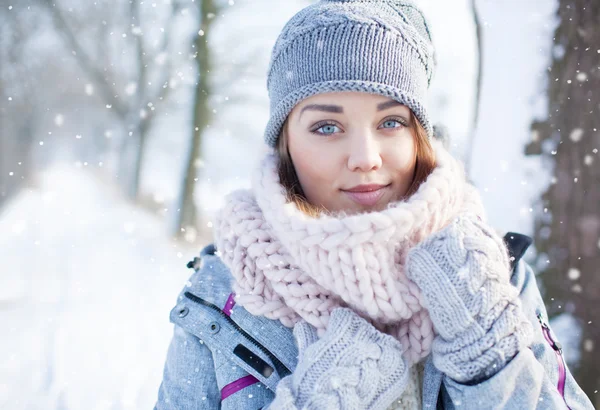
(353, 366)
(464, 273)
(287, 265)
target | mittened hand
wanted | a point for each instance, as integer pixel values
(463, 272)
(352, 366)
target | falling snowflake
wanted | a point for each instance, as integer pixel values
(131, 88)
(199, 163)
(576, 135)
(574, 274)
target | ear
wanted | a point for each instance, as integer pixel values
(441, 133)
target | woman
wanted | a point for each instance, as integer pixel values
(362, 234)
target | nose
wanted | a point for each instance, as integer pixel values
(364, 153)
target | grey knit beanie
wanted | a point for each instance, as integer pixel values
(377, 46)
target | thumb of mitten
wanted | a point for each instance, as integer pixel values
(305, 335)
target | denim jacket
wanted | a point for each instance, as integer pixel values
(222, 357)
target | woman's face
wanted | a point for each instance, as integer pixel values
(352, 151)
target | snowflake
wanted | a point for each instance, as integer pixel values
(574, 274)
(576, 135)
(131, 88)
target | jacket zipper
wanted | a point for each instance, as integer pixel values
(557, 347)
(282, 369)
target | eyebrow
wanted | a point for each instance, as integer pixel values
(336, 109)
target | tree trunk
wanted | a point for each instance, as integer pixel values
(567, 228)
(479, 35)
(140, 136)
(188, 214)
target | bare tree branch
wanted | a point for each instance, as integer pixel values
(142, 74)
(110, 94)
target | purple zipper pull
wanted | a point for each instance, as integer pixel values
(557, 347)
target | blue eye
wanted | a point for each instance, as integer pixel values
(396, 121)
(324, 126)
(328, 128)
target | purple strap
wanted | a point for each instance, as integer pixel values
(237, 385)
(229, 304)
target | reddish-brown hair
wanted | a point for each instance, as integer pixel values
(289, 180)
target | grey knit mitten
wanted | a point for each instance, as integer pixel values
(463, 272)
(353, 366)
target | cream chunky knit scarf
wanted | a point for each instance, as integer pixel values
(290, 266)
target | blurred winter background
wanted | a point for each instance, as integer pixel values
(123, 124)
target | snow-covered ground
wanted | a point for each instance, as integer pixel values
(86, 286)
(88, 280)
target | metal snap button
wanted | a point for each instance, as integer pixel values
(183, 311)
(214, 327)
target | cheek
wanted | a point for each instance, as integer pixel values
(315, 168)
(312, 167)
(401, 158)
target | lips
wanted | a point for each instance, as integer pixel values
(367, 195)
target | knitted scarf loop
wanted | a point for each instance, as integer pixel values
(289, 266)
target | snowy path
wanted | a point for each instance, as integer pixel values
(86, 286)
